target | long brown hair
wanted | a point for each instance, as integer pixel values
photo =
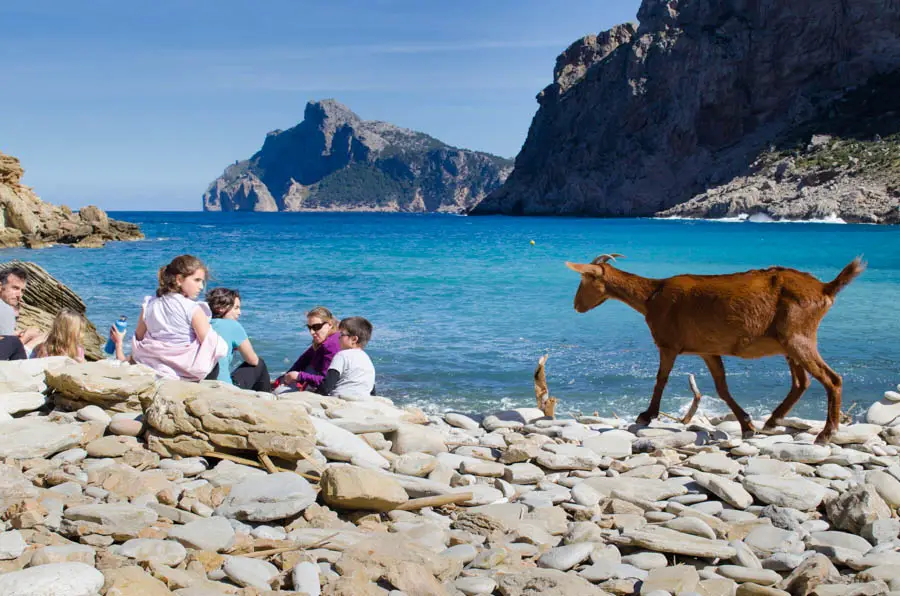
(65, 335)
(182, 265)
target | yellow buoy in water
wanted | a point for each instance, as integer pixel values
(532, 243)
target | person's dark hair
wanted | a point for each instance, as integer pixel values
(182, 265)
(14, 270)
(359, 327)
(221, 300)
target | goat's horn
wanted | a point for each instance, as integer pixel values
(605, 258)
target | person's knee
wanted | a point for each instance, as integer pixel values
(12, 348)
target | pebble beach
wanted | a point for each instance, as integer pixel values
(115, 482)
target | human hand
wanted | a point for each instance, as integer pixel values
(291, 377)
(29, 335)
(116, 336)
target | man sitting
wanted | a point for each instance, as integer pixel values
(12, 343)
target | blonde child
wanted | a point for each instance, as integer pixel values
(65, 337)
(173, 335)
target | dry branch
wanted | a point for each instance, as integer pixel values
(545, 403)
(435, 501)
(692, 383)
(255, 464)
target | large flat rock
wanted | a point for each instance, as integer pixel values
(54, 579)
(25, 438)
(271, 497)
(110, 385)
(642, 488)
(28, 375)
(191, 419)
(113, 518)
(664, 540)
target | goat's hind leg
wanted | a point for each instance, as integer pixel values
(806, 354)
(717, 370)
(666, 362)
(799, 384)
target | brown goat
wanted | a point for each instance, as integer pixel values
(763, 312)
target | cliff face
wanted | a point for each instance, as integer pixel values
(702, 95)
(25, 220)
(334, 161)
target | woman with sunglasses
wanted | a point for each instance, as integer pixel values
(309, 371)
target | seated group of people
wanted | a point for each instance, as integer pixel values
(182, 338)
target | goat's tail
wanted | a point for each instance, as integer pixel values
(847, 274)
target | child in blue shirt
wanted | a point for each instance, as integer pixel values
(225, 305)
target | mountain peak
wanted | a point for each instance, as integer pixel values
(329, 110)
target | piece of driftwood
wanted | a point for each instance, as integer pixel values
(545, 403)
(316, 465)
(847, 417)
(255, 464)
(261, 554)
(692, 383)
(435, 501)
(270, 467)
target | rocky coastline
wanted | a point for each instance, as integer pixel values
(706, 110)
(115, 482)
(26, 220)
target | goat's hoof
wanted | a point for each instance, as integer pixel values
(824, 437)
(644, 419)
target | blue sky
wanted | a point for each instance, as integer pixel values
(138, 106)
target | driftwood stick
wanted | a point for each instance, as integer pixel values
(255, 464)
(435, 501)
(545, 403)
(272, 551)
(541, 393)
(670, 417)
(270, 467)
(316, 465)
(692, 382)
(323, 541)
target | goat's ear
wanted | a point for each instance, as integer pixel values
(584, 268)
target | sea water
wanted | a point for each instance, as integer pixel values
(463, 307)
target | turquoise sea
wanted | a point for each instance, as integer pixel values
(463, 307)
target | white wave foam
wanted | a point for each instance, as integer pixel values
(757, 218)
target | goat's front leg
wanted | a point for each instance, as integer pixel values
(666, 362)
(717, 370)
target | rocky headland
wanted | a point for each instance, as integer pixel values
(115, 482)
(26, 220)
(335, 161)
(717, 109)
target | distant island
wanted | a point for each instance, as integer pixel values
(335, 161)
(26, 220)
(787, 110)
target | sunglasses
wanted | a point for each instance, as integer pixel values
(317, 326)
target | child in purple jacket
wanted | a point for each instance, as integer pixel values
(308, 372)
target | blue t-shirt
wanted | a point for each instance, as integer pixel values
(234, 335)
